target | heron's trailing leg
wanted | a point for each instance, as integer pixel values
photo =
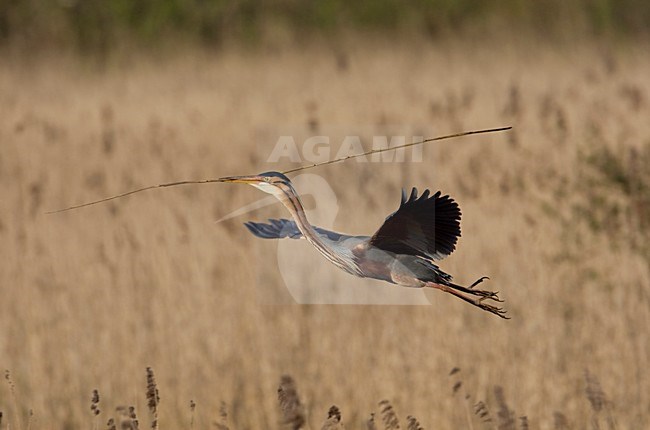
(466, 294)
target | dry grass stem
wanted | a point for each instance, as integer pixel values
(370, 423)
(599, 402)
(14, 399)
(505, 416)
(222, 424)
(560, 421)
(30, 418)
(192, 408)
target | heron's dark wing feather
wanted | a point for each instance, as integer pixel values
(427, 226)
(281, 228)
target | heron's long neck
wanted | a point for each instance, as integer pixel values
(295, 207)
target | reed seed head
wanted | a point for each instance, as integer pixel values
(523, 423)
(412, 423)
(388, 415)
(94, 403)
(153, 398)
(482, 411)
(110, 424)
(594, 392)
(293, 414)
(333, 421)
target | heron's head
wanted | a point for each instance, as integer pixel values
(270, 182)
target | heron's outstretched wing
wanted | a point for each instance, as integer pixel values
(281, 228)
(424, 226)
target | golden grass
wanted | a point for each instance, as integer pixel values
(93, 297)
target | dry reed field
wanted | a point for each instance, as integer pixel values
(556, 212)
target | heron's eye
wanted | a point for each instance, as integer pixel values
(267, 179)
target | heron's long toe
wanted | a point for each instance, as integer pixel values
(478, 281)
(492, 309)
(487, 295)
(483, 294)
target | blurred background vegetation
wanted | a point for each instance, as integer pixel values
(102, 25)
(556, 212)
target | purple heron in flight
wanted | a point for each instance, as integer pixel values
(403, 251)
